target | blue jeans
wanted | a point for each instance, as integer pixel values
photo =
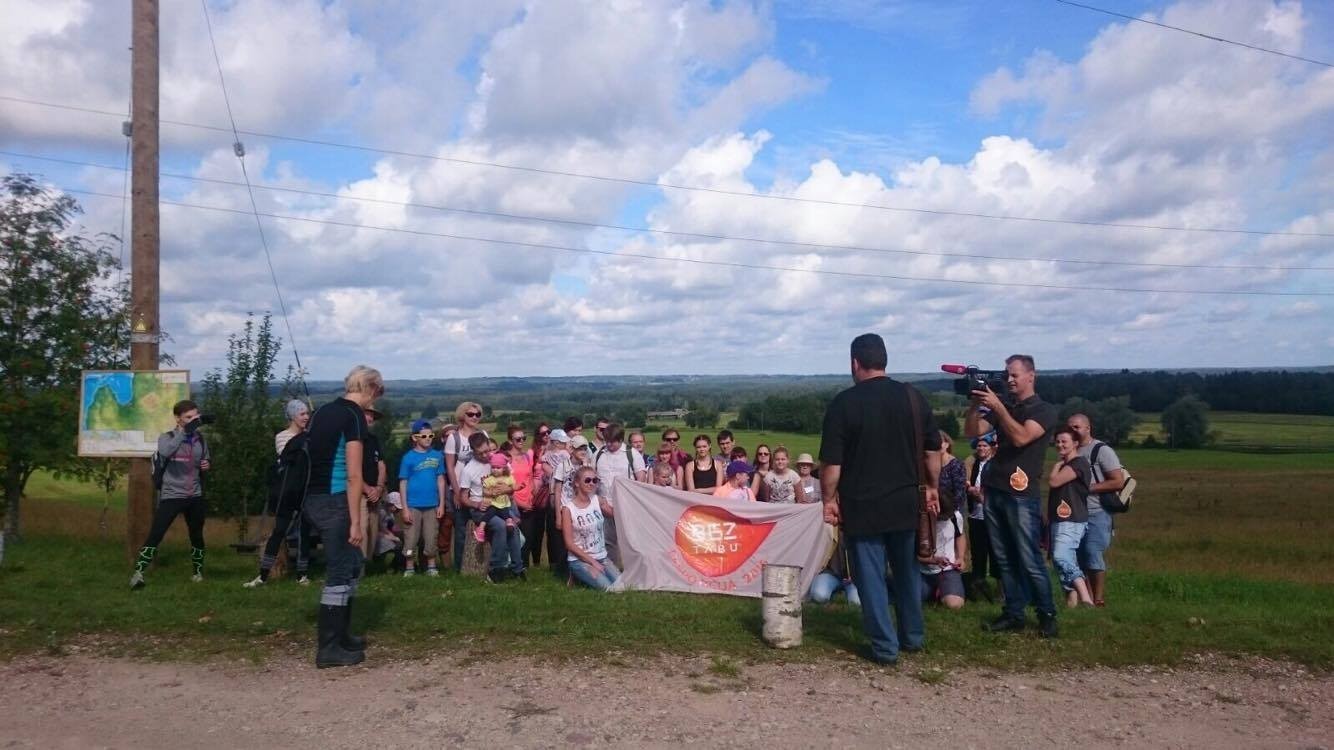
(1015, 523)
(1097, 538)
(329, 515)
(506, 547)
(583, 572)
(869, 555)
(827, 584)
(1065, 539)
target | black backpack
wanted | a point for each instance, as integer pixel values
(289, 474)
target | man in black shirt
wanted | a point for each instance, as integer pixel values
(878, 446)
(1013, 500)
(334, 499)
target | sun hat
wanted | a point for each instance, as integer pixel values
(558, 436)
(739, 467)
(805, 458)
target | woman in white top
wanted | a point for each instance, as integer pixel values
(782, 484)
(298, 416)
(583, 518)
(458, 452)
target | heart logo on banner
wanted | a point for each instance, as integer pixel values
(715, 542)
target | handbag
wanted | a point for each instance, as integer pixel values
(926, 519)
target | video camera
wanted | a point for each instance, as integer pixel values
(977, 379)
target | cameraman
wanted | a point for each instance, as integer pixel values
(182, 454)
(1013, 501)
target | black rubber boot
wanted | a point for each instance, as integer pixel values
(332, 628)
(1047, 625)
(346, 639)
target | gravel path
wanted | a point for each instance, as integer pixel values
(81, 701)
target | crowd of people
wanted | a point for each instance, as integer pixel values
(882, 462)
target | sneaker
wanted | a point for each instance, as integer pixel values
(432, 572)
(409, 573)
(1003, 624)
(1047, 625)
(197, 578)
(479, 533)
(253, 584)
(303, 581)
(137, 581)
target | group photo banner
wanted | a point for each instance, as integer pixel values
(671, 540)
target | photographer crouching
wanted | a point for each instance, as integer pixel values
(181, 456)
(1011, 483)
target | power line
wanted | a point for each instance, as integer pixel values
(239, 150)
(728, 264)
(693, 235)
(694, 188)
(1200, 34)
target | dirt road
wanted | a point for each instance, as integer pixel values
(80, 701)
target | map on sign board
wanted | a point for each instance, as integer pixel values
(122, 412)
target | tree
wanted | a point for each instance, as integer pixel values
(430, 410)
(241, 441)
(1111, 418)
(1186, 422)
(702, 416)
(60, 313)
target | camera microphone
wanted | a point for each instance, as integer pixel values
(955, 369)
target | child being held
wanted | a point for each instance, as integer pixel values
(502, 504)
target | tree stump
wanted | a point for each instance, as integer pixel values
(476, 557)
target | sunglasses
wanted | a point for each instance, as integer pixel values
(591, 480)
(543, 433)
(672, 439)
(473, 414)
(761, 455)
(519, 438)
(425, 435)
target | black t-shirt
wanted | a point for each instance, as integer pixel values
(370, 459)
(868, 431)
(1069, 502)
(332, 427)
(1000, 474)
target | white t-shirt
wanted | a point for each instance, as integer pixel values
(945, 536)
(456, 445)
(781, 488)
(586, 527)
(625, 462)
(471, 476)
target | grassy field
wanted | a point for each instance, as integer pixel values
(1245, 431)
(1243, 543)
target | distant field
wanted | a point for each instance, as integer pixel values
(1246, 431)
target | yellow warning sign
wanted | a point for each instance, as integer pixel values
(140, 326)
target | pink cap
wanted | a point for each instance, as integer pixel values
(499, 461)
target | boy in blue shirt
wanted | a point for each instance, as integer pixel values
(421, 483)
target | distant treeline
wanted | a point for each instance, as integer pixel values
(1273, 392)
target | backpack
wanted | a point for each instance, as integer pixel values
(1118, 501)
(629, 459)
(289, 474)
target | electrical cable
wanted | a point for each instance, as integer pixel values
(1200, 34)
(694, 188)
(239, 150)
(728, 264)
(692, 235)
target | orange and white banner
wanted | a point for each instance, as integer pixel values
(672, 540)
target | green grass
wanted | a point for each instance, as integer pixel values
(59, 591)
(1248, 431)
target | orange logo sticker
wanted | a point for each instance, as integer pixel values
(1063, 510)
(1018, 480)
(715, 542)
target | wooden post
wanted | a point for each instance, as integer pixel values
(145, 243)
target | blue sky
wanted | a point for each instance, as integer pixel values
(1033, 109)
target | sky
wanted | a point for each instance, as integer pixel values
(634, 187)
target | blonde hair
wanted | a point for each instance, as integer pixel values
(463, 408)
(773, 452)
(363, 379)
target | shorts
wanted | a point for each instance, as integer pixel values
(937, 586)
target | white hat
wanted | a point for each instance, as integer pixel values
(558, 436)
(805, 458)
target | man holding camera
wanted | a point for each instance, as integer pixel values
(181, 456)
(1011, 485)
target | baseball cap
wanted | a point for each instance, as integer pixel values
(558, 436)
(739, 467)
(420, 425)
(578, 441)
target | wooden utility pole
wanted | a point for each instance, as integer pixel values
(145, 242)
